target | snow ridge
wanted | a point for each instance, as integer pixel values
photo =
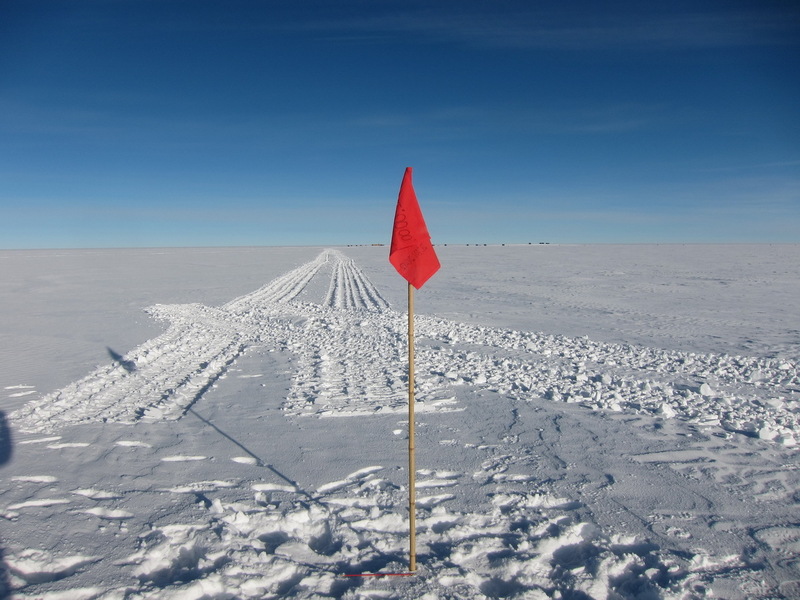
(749, 395)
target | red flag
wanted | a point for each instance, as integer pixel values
(411, 253)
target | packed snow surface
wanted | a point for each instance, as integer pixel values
(592, 422)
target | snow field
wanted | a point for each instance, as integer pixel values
(160, 379)
(285, 541)
(553, 466)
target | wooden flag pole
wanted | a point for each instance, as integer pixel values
(413, 256)
(412, 470)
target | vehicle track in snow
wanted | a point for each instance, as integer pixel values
(350, 352)
(163, 377)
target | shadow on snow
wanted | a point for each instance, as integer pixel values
(6, 451)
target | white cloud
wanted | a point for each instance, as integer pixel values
(563, 26)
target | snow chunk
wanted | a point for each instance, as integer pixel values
(109, 513)
(38, 566)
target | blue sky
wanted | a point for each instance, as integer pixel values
(196, 123)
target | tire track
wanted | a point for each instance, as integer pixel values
(350, 289)
(164, 376)
(351, 360)
(170, 373)
(334, 379)
(281, 290)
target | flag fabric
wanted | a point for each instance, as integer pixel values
(411, 252)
